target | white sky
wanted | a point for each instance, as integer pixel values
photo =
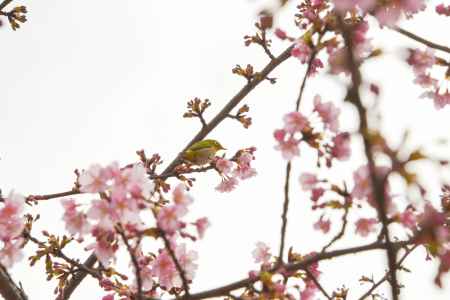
(94, 81)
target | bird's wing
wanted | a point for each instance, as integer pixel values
(200, 145)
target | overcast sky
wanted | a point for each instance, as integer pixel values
(93, 81)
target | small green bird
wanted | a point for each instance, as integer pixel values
(202, 152)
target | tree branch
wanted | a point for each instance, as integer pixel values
(176, 262)
(288, 167)
(377, 186)
(226, 289)
(234, 101)
(8, 288)
(420, 39)
(386, 277)
(77, 278)
(4, 4)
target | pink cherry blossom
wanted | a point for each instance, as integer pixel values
(180, 197)
(289, 148)
(124, 208)
(164, 268)
(302, 51)
(294, 122)
(280, 135)
(138, 184)
(103, 247)
(365, 226)
(244, 171)
(93, 180)
(440, 100)
(187, 260)
(425, 80)
(169, 217)
(13, 205)
(316, 193)
(309, 291)
(146, 278)
(341, 149)
(281, 34)
(108, 297)
(11, 252)
(316, 64)
(261, 254)
(201, 225)
(224, 165)
(421, 60)
(362, 188)
(388, 15)
(322, 225)
(76, 221)
(345, 5)
(328, 112)
(408, 219)
(227, 185)
(441, 9)
(12, 222)
(308, 181)
(103, 214)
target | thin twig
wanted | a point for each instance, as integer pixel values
(377, 186)
(53, 196)
(284, 214)
(386, 276)
(341, 232)
(421, 39)
(317, 283)
(60, 254)
(77, 278)
(134, 261)
(288, 168)
(177, 263)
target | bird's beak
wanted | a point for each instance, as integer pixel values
(222, 148)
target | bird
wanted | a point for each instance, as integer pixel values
(202, 152)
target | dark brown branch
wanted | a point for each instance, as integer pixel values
(386, 277)
(77, 278)
(226, 289)
(377, 186)
(421, 40)
(8, 288)
(4, 4)
(317, 283)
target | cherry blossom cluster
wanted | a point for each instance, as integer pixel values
(125, 194)
(12, 224)
(441, 9)
(235, 169)
(298, 128)
(422, 62)
(277, 283)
